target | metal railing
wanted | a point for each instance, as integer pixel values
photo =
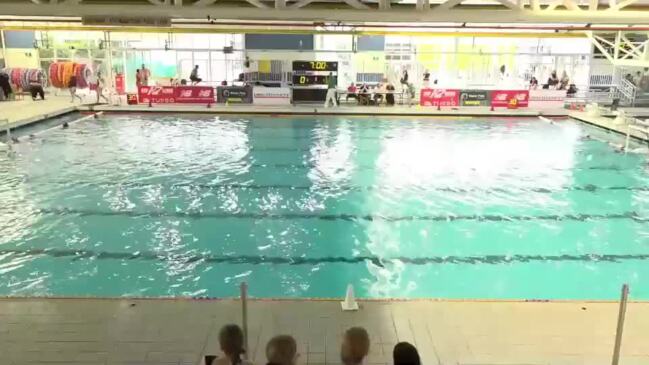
(626, 91)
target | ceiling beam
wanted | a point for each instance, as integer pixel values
(355, 12)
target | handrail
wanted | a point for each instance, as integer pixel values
(244, 317)
(620, 324)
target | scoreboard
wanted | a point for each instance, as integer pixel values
(304, 80)
(315, 66)
(310, 80)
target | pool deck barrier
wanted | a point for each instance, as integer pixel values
(181, 331)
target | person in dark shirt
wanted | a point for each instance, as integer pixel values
(553, 80)
(194, 76)
(72, 87)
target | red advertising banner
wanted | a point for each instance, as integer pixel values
(176, 94)
(504, 98)
(441, 97)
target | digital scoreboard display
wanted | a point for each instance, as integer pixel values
(315, 66)
(305, 80)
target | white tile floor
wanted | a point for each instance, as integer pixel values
(117, 331)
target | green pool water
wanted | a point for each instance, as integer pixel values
(166, 205)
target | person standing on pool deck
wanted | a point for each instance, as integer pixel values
(145, 74)
(101, 84)
(331, 91)
(72, 86)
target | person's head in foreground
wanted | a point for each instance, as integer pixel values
(231, 342)
(356, 345)
(281, 350)
(405, 354)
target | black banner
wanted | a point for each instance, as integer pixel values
(309, 95)
(475, 97)
(238, 94)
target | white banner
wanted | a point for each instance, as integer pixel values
(547, 98)
(271, 95)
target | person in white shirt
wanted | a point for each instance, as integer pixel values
(331, 91)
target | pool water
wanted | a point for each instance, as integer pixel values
(162, 205)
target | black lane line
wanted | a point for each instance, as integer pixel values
(415, 189)
(297, 260)
(345, 217)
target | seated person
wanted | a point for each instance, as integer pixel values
(379, 91)
(36, 89)
(281, 350)
(183, 82)
(572, 90)
(389, 95)
(534, 83)
(355, 346)
(351, 92)
(364, 95)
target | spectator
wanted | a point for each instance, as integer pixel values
(426, 76)
(363, 95)
(193, 77)
(138, 78)
(563, 84)
(379, 91)
(355, 346)
(553, 80)
(183, 82)
(572, 90)
(145, 74)
(389, 95)
(636, 80)
(231, 343)
(534, 83)
(404, 78)
(36, 88)
(405, 354)
(351, 92)
(281, 350)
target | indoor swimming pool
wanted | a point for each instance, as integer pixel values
(160, 205)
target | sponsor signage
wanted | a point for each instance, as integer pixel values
(547, 98)
(271, 95)
(475, 97)
(176, 94)
(505, 98)
(237, 94)
(441, 97)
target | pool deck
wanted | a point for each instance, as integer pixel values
(168, 331)
(23, 112)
